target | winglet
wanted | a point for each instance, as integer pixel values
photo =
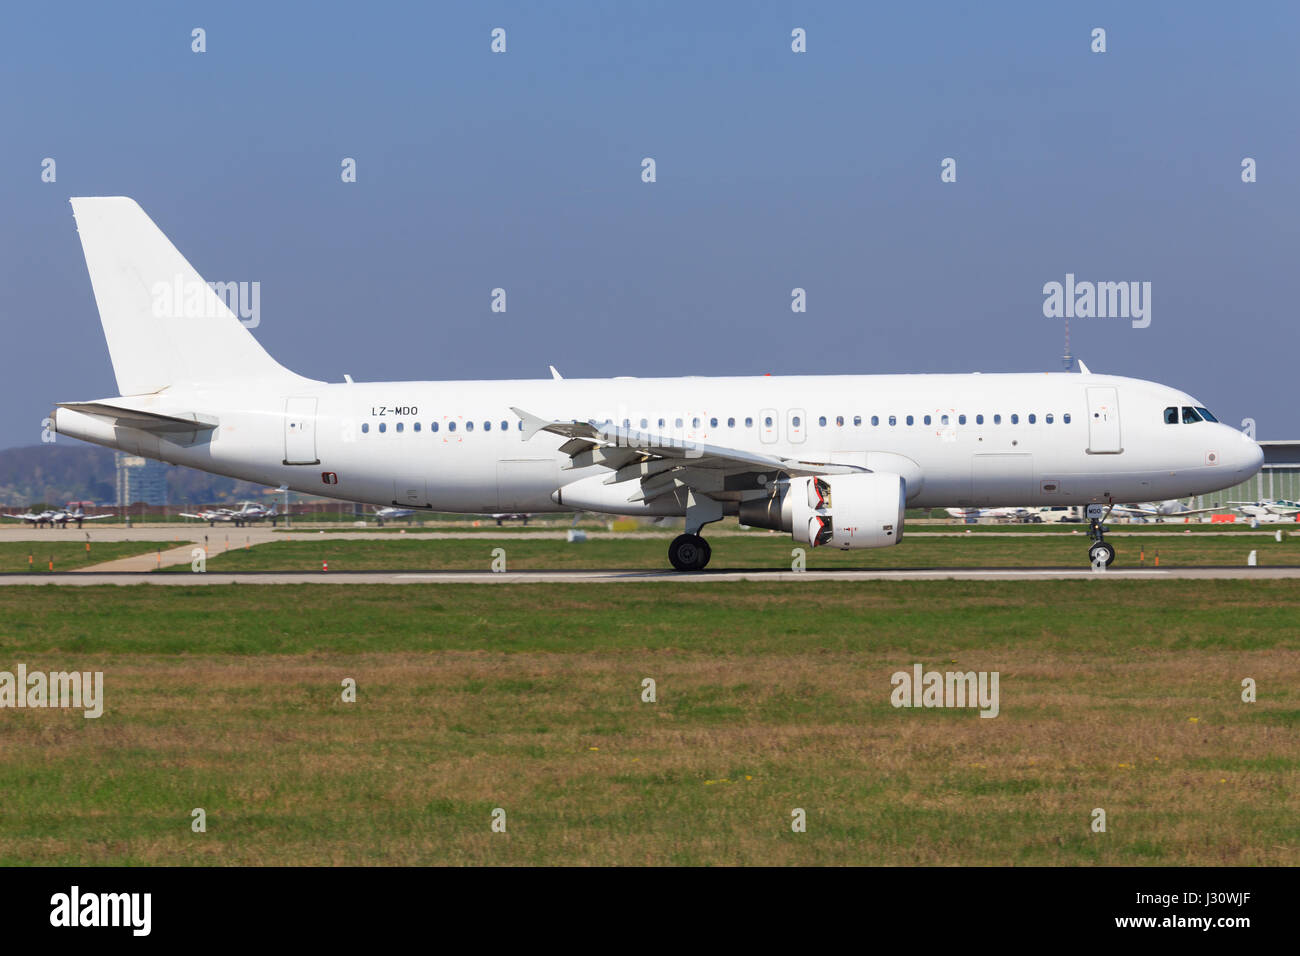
(1083, 369)
(555, 374)
(532, 424)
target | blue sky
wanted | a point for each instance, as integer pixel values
(775, 170)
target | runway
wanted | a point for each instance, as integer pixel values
(761, 576)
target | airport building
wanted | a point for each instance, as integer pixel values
(140, 480)
(1278, 479)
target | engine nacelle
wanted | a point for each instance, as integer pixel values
(837, 511)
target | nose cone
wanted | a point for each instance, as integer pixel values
(1244, 455)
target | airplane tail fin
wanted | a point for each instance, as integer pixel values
(165, 326)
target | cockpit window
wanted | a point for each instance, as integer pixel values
(1171, 415)
(1205, 413)
(1189, 415)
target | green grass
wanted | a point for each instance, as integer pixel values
(67, 555)
(770, 697)
(760, 550)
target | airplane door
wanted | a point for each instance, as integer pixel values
(796, 425)
(1103, 421)
(767, 428)
(300, 432)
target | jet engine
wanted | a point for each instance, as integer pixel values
(837, 511)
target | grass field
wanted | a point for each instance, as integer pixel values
(770, 697)
(67, 555)
(304, 553)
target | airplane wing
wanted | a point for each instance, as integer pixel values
(1153, 513)
(662, 464)
(94, 517)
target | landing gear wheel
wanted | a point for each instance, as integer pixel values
(1101, 553)
(689, 552)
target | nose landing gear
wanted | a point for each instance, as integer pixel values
(1099, 552)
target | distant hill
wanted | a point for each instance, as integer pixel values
(64, 471)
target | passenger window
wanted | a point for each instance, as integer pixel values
(768, 421)
(1171, 415)
(1189, 415)
(997, 419)
(469, 426)
(416, 426)
(713, 423)
(1032, 418)
(875, 420)
(644, 422)
(731, 423)
(695, 423)
(451, 426)
(822, 421)
(910, 419)
(979, 419)
(857, 421)
(383, 427)
(662, 422)
(926, 419)
(365, 428)
(399, 426)
(1049, 418)
(943, 419)
(749, 423)
(893, 420)
(839, 420)
(794, 422)
(433, 427)
(1065, 419)
(505, 426)
(961, 419)
(679, 423)
(1015, 419)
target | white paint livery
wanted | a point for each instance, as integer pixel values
(198, 390)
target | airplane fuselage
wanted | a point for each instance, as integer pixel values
(958, 440)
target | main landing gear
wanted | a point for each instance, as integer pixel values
(689, 552)
(1099, 552)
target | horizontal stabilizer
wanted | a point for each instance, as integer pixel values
(145, 421)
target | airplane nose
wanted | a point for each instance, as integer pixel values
(1246, 457)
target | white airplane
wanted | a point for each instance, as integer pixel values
(505, 516)
(393, 514)
(39, 519)
(59, 516)
(998, 514)
(1160, 510)
(248, 512)
(1280, 510)
(833, 460)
